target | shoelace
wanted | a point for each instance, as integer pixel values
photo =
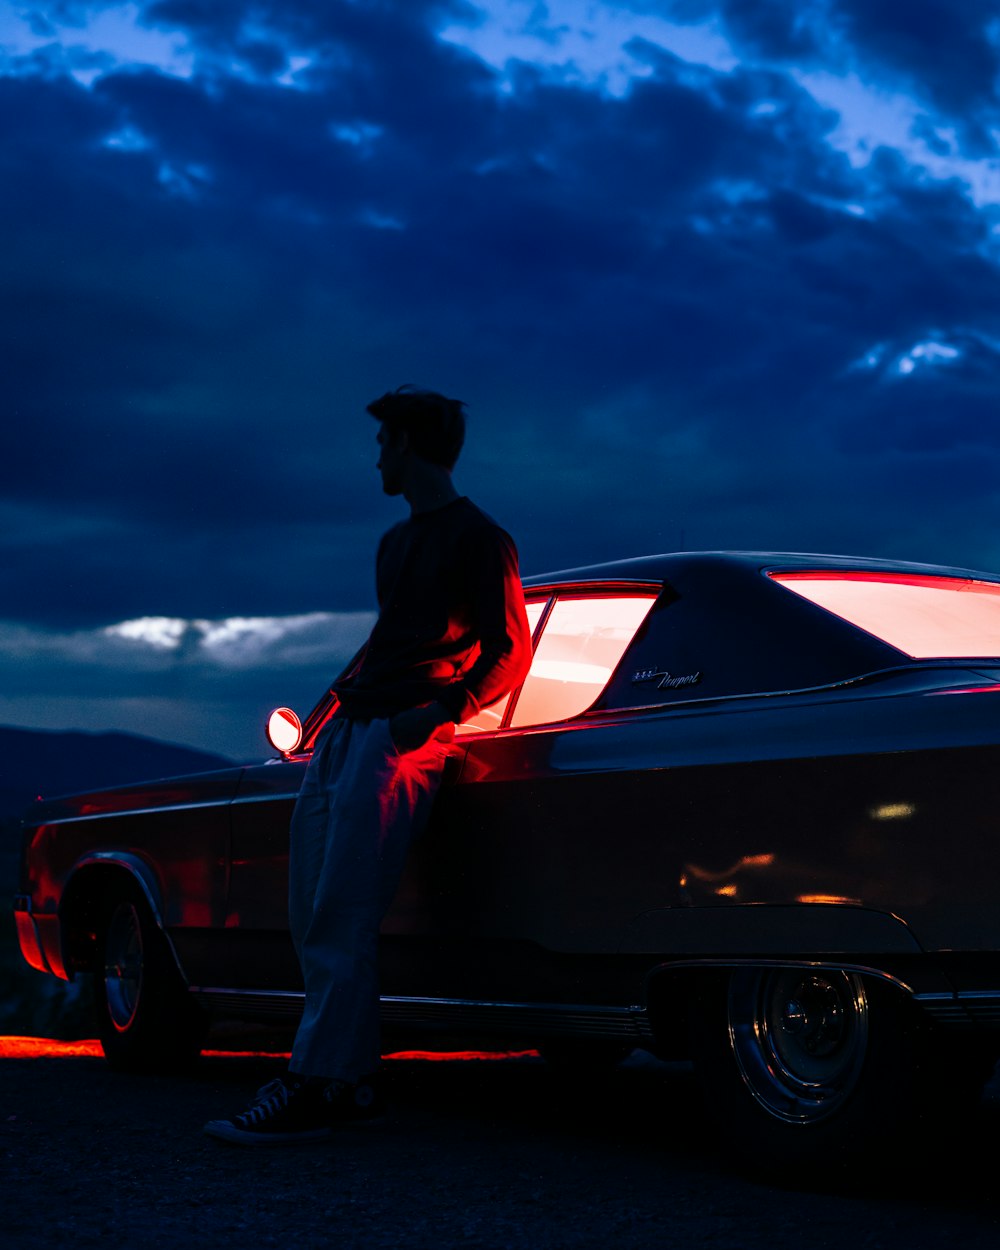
(275, 1102)
(267, 1090)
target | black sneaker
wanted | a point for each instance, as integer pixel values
(354, 1102)
(285, 1111)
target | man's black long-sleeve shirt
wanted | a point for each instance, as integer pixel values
(451, 627)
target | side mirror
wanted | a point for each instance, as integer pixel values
(284, 730)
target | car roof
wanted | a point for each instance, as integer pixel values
(722, 627)
(671, 565)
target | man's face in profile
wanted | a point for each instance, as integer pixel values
(393, 446)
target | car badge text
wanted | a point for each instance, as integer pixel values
(665, 680)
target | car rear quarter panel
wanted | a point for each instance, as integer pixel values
(174, 833)
(871, 822)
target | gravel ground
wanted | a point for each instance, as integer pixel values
(477, 1154)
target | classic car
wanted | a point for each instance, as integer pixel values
(744, 809)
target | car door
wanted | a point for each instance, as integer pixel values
(260, 952)
(520, 859)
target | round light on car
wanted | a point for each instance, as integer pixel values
(284, 730)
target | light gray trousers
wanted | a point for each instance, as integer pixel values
(360, 805)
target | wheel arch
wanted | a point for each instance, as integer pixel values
(93, 881)
(675, 988)
(833, 1065)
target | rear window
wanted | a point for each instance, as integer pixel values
(491, 717)
(923, 616)
(581, 644)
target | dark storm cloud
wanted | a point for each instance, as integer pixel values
(946, 55)
(779, 29)
(653, 301)
(681, 315)
(949, 54)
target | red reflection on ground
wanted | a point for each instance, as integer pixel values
(46, 1048)
(43, 1048)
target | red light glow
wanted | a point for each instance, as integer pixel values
(491, 717)
(47, 1048)
(828, 899)
(922, 615)
(968, 690)
(580, 647)
(284, 730)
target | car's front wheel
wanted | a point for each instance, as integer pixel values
(804, 1068)
(146, 1020)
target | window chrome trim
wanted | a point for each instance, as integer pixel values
(843, 684)
(600, 715)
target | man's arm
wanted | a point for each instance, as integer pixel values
(490, 571)
(500, 621)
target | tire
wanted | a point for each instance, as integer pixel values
(146, 1020)
(805, 1070)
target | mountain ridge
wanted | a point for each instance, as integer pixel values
(43, 762)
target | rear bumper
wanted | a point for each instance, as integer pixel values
(27, 934)
(32, 932)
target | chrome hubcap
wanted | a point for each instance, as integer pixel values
(799, 1038)
(123, 965)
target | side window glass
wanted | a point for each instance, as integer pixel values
(491, 717)
(580, 647)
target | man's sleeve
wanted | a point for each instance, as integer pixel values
(498, 616)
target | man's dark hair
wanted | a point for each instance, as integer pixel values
(434, 423)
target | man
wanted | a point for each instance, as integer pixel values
(451, 637)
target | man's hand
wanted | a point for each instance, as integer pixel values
(412, 728)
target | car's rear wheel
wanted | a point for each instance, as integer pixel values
(807, 1068)
(799, 1041)
(146, 1020)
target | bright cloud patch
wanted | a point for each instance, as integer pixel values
(189, 182)
(114, 34)
(586, 44)
(236, 642)
(871, 118)
(161, 632)
(598, 45)
(360, 134)
(127, 139)
(209, 682)
(928, 353)
(117, 36)
(247, 641)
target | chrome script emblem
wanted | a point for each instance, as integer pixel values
(665, 680)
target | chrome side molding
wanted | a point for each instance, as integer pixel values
(576, 1019)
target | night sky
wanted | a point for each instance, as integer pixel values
(708, 273)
